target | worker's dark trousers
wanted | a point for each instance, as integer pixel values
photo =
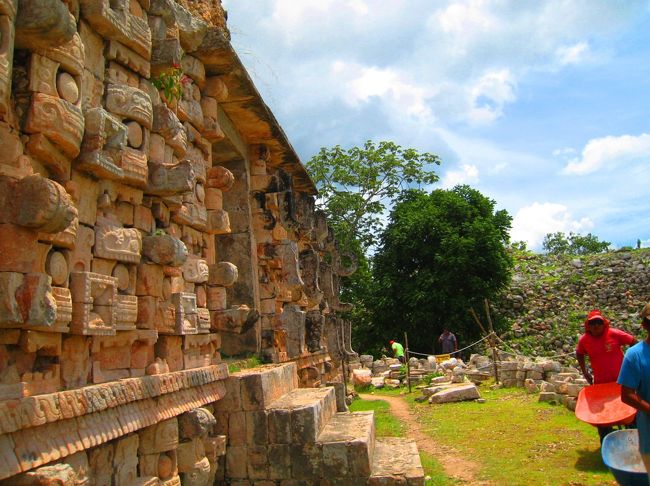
(603, 431)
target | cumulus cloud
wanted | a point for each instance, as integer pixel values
(608, 152)
(532, 223)
(360, 83)
(489, 95)
(459, 59)
(466, 174)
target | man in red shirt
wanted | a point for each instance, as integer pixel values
(602, 344)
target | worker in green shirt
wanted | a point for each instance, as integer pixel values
(398, 351)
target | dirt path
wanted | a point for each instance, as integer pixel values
(462, 470)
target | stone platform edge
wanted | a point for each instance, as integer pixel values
(38, 410)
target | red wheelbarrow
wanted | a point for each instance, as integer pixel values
(601, 406)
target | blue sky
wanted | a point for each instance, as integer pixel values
(543, 106)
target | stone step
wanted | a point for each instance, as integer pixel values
(298, 417)
(396, 462)
(347, 445)
(256, 388)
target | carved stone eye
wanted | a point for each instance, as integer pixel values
(134, 134)
(67, 88)
(199, 191)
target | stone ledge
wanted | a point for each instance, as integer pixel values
(32, 447)
(316, 358)
(39, 410)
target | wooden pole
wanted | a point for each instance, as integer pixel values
(406, 357)
(487, 313)
(492, 342)
(478, 321)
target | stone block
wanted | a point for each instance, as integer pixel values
(195, 270)
(213, 199)
(128, 58)
(456, 394)
(37, 31)
(396, 461)
(164, 250)
(18, 246)
(279, 461)
(75, 361)
(35, 299)
(104, 140)
(223, 274)
(160, 437)
(118, 24)
(143, 219)
(236, 461)
(94, 50)
(10, 312)
(115, 243)
(257, 428)
(169, 348)
(306, 462)
(547, 396)
(257, 462)
(149, 280)
(60, 121)
(216, 298)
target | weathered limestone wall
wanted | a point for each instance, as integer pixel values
(140, 238)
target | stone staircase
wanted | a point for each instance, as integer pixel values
(282, 435)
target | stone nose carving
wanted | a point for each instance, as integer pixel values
(43, 205)
(165, 180)
(164, 250)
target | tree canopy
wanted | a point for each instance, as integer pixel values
(574, 244)
(356, 185)
(440, 254)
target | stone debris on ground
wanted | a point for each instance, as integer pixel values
(454, 380)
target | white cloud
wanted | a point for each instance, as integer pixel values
(608, 152)
(461, 60)
(360, 83)
(463, 18)
(489, 95)
(564, 152)
(467, 174)
(572, 54)
(532, 223)
(293, 20)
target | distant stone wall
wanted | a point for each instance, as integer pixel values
(142, 236)
(549, 298)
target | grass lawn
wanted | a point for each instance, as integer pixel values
(515, 439)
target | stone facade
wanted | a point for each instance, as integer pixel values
(142, 238)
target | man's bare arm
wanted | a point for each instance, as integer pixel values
(581, 361)
(631, 398)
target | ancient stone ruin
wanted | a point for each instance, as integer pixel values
(154, 218)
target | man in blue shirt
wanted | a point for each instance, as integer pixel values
(635, 382)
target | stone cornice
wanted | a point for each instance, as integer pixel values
(45, 428)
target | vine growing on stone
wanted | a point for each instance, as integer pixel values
(171, 82)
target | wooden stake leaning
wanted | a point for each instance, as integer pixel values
(490, 335)
(492, 341)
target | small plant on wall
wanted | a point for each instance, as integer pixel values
(172, 82)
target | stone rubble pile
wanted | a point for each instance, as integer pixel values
(549, 297)
(457, 381)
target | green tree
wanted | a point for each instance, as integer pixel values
(356, 185)
(441, 254)
(574, 244)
